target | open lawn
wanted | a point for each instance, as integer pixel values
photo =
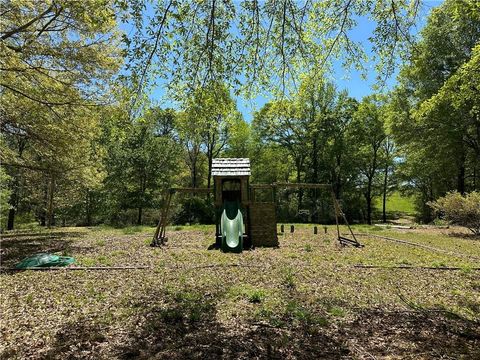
(305, 299)
(397, 204)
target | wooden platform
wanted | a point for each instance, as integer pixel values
(263, 224)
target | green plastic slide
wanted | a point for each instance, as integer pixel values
(231, 227)
(44, 260)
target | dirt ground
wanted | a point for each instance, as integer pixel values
(306, 299)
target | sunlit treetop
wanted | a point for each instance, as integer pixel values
(254, 45)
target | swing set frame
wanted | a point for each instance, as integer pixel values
(160, 238)
(344, 241)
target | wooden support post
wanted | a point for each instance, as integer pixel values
(162, 223)
(338, 211)
(163, 230)
(334, 200)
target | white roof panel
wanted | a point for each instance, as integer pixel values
(231, 167)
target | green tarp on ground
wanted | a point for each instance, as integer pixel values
(45, 260)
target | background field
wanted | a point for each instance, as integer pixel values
(397, 204)
(305, 299)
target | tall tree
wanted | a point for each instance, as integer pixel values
(388, 155)
(190, 135)
(369, 133)
(339, 151)
(240, 138)
(4, 197)
(430, 127)
(56, 59)
(316, 102)
(142, 156)
(211, 108)
(280, 122)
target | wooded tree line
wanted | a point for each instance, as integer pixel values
(82, 145)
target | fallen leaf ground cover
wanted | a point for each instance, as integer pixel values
(305, 299)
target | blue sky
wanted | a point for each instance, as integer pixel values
(349, 79)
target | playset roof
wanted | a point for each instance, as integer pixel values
(231, 167)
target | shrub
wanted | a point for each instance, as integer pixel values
(460, 210)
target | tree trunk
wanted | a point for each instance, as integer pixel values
(139, 218)
(88, 210)
(11, 212)
(11, 219)
(369, 210)
(461, 172)
(368, 198)
(338, 187)
(143, 189)
(315, 161)
(50, 218)
(474, 177)
(43, 212)
(15, 197)
(300, 191)
(210, 161)
(371, 175)
(13, 204)
(194, 175)
(385, 185)
(461, 179)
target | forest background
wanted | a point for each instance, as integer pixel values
(105, 104)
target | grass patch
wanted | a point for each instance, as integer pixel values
(93, 261)
(289, 277)
(397, 203)
(298, 313)
(336, 311)
(250, 293)
(296, 300)
(129, 230)
(100, 243)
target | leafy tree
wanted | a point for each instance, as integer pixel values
(67, 152)
(270, 163)
(190, 136)
(369, 133)
(316, 102)
(240, 140)
(56, 56)
(56, 59)
(280, 123)
(210, 108)
(435, 133)
(460, 95)
(141, 158)
(314, 130)
(388, 155)
(254, 45)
